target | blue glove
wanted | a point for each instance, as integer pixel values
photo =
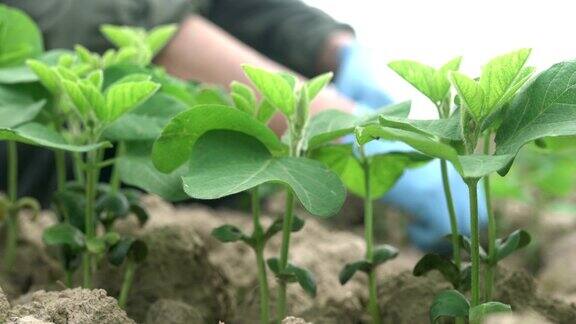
(420, 193)
(356, 80)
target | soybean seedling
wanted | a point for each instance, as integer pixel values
(236, 138)
(434, 84)
(529, 116)
(368, 177)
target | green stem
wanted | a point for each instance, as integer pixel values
(369, 238)
(451, 213)
(127, 282)
(11, 221)
(286, 230)
(115, 177)
(90, 230)
(492, 231)
(475, 238)
(261, 264)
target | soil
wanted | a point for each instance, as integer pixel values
(82, 306)
(189, 277)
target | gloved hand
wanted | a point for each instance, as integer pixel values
(355, 78)
(420, 193)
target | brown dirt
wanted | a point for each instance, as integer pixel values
(78, 306)
(557, 276)
(168, 311)
(4, 306)
(294, 320)
(26, 320)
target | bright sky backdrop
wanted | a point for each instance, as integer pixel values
(435, 31)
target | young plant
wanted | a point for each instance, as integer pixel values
(434, 84)
(541, 109)
(216, 139)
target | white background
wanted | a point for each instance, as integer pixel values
(434, 31)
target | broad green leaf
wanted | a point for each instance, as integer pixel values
(228, 233)
(39, 135)
(274, 87)
(46, 75)
(136, 169)
(112, 202)
(383, 253)
(449, 303)
(316, 84)
(20, 38)
(174, 146)
(122, 36)
(96, 245)
(158, 37)
(23, 74)
(332, 124)
(293, 273)
(385, 169)
(433, 83)
(147, 120)
(546, 107)
(17, 106)
(265, 111)
(445, 266)
(499, 81)
(350, 270)
(478, 166)
(479, 312)
(64, 234)
(211, 96)
(513, 242)
(503, 76)
(226, 162)
(121, 98)
(470, 94)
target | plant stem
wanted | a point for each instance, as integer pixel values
(286, 230)
(115, 177)
(11, 221)
(475, 238)
(373, 308)
(492, 231)
(127, 282)
(90, 230)
(451, 213)
(261, 264)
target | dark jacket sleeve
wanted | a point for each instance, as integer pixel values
(288, 31)
(65, 23)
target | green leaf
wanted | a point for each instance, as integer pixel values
(546, 107)
(513, 242)
(431, 82)
(243, 97)
(466, 245)
(385, 169)
(383, 253)
(478, 166)
(112, 202)
(174, 146)
(64, 234)
(501, 78)
(276, 226)
(449, 303)
(136, 169)
(274, 87)
(227, 162)
(121, 36)
(228, 233)
(158, 37)
(47, 76)
(446, 267)
(477, 313)
(39, 135)
(134, 249)
(265, 111)
(329, 125)
(20, 38)
(122, 97)
(305, 279)
(17, 106)
(23, 74)
(350, 270)
(446, 129)
(145, 122)
(316, 84)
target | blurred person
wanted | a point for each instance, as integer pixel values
(214, 38)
